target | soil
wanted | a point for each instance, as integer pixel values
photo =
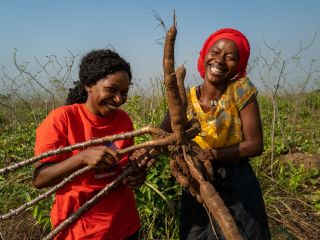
(21, 227)
(307, 160)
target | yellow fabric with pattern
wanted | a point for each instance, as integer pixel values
(221, 126)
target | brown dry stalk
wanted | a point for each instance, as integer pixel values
(169, 140)
(128, 170)
(23, 207)
(294, 215)
(146, 130)
(87, 205)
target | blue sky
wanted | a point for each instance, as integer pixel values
(39, 28)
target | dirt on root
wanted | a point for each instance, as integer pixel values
(21, 227)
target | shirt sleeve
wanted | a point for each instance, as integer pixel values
(51, 135)
(244, 90)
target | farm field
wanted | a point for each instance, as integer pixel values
(288, 170)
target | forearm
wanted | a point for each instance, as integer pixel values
(50, 175)
(237, 152)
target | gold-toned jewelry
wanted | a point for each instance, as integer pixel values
(213, 103)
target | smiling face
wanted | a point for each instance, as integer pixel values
(221, 62)
(108, 94)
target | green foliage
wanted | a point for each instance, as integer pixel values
(296, 130)
(41, 212)
(158, 201)
(296, 127)
(147, 108)
(16, 144)
(145, 111)
(14, 188)
(297, 178)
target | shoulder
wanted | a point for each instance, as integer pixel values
(59, 117)
(242, 84)
(64, 112)
(242, 90)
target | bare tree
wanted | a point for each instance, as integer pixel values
(274, 72)
(46, 84)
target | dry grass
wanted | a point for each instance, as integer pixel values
(290, 216)
(21, 227)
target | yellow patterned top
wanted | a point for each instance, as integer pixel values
(221, 126)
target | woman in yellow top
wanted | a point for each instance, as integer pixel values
(226, 106)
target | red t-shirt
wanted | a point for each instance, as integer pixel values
(115, 216)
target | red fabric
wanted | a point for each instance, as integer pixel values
(238, 38)
(113, 217)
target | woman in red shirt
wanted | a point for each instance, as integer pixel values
(92, 111)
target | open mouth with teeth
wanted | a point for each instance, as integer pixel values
(113, 107)
(216, 71)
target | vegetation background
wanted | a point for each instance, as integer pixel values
(288, 169)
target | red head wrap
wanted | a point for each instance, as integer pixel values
(234, 35)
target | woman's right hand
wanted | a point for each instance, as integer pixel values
(46, 175)
(100, 156)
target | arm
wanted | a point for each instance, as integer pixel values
(252, 144)
(49, 174)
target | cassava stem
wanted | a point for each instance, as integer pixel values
(146, 130)
(34, 201)
(170, 139)
(87, 205)
(128, 170)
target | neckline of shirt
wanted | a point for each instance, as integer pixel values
(97, 119)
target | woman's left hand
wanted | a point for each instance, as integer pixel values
(137, 179)
(140, 159)
(210, 154)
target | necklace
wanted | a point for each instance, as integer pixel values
(213, 102)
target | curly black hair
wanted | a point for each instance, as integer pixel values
(94, 66)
